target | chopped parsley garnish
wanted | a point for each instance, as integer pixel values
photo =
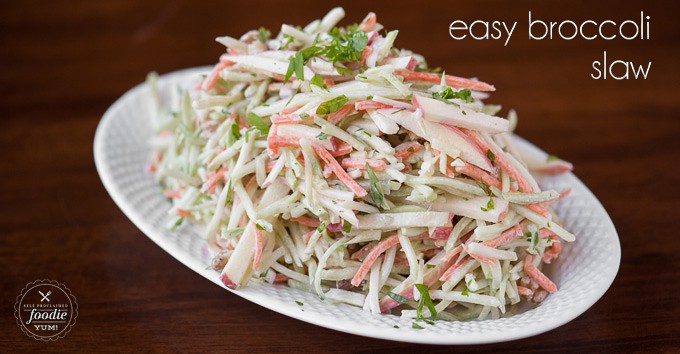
(317, 80)
(465, 292)
(299, 303)
(321, 227)
(263, 34)
(490, 155)
(396, 297)
(489, 205)
(551, 158)
(416, 326)
(395, 326)
(397, 111)
(447, 93)
(304, 116)
(411, 149)
(322, 136)
(297, 62)
(485, 188)
(426, 301)
(229, 192)
(234, 132)
(430, 266)
(259, 227)
(332, 105)
(257, 122)
(346, 226)
(345, 46)
(376, 194)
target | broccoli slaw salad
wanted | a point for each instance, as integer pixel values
(326, 159)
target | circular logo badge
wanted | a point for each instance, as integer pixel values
(46, 310)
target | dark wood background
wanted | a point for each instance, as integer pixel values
(63, 63)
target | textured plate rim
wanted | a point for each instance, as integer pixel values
(251, 293)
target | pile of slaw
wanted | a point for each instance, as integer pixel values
(326, 159)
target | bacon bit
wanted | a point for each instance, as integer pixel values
(183, 213)
(524, 291)
(372, 256)
(478, 174)
(376, 165)
(342, 175)
(524, 186)
(361, 252)
(279, 278)
(259, 247)
(505, 237)
(453, 81)
(307, 221)
(340, 114)
(210, 81)
(211, 180)
(172, 193)
(537, 276)
(441, 233)
(290, 118)
(369, 104)
(328, 82)
(368, 22)
(405, 150)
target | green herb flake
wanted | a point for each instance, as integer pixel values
(465, 292)
(304, 116)
(447, 93)
(299, 303)
(345, 46)
(430, 266)
(551, 158)
(263, 34)
(321, 227)
(416, 326)
(376, 194)
(411, 149)
(257, 122)
(489, 205)
(317, 80)
(395, 326)
(346, 226)
(490, 155)
(229, 191)
(322, 136)
(396, 297)
(332, 105)
(397, 111)
(426, 301)
(485, 188)
(259, 227)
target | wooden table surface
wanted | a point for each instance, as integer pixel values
(62, 64)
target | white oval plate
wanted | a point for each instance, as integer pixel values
(583, 273)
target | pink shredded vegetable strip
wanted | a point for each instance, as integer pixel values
(405, 150)
(369, 104)
(536, 275)
(368, 22)
(340, 114)
(376, 165)
(259, 247)
(453, 81)
(342, 175)
(505, 237)
(372, 256)
(307, 221)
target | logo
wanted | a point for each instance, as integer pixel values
(46, 310)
